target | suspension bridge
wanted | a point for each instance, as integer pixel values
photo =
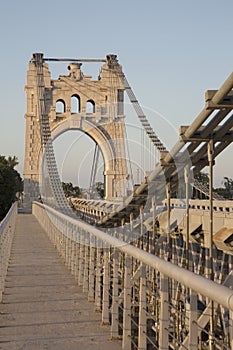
(149, 268)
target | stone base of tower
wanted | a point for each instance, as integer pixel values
(31, 193)
(115, 185)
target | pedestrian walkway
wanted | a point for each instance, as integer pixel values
(43, 308)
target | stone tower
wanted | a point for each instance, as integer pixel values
(99, 113)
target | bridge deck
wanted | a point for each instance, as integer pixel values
(43, 308)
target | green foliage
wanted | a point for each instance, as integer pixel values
(203, 178)
(100, 189)
(10, 184)
(228, 184)
(71, 191)
(227, 190)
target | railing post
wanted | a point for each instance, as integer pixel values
(142, 323)
(231, 329)
(131, 227)
(122, 229)
(58, 241)
(126, 341)
(141, 228)
(70, 235)
(91, 290)
(115, 298)
(1, 266)
(193, 331)
(77, 248)
(66, 238)
(63, 245)
(169, 248)
(73, 254)
(98, 281)
(105, 303)
(86, 263)
(164, 314)
(69, 250)
(186, 177)
(153, 240)
(210, 149)
(81, 259)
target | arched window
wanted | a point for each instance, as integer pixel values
(90, 107)
(60, 106)
(75, 104)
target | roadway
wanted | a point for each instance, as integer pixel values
(43, 307)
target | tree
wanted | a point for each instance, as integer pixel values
(71, 191)
(100, 189)
(228, 190)
(203, 178)
(77, 192)
(10, 184)
(12, 161)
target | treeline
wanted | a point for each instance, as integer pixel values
(75, 191)
(226, 191)
(11, 184)
(71, 191)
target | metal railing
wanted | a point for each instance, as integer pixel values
(149, 302)
(7, 229)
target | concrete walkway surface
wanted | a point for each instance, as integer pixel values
(43, 308)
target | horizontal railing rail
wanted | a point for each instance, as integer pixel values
(7, 229)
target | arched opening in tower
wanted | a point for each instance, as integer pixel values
(80, 162)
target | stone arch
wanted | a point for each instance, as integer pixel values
(76, 122)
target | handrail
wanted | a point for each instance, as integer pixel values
(212, 290)
(7, 229)
(6, 219)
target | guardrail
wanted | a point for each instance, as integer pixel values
(204, 204)
(150, 302)
(7, 229)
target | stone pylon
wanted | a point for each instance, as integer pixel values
(99, 112)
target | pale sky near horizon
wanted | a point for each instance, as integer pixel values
(171, 52)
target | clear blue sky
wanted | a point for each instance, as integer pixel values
(171, 51)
